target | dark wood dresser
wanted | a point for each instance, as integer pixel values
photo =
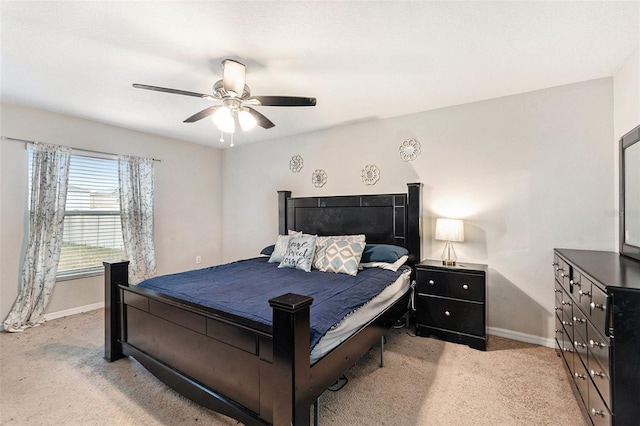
(450, 302)
(597, 305)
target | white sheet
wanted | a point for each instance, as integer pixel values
(354, 321)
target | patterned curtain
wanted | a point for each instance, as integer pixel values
(136, 212)
(46, 223)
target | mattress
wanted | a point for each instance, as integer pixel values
(360, 317)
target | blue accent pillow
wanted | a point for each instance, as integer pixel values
(382, 253)
(268, 250)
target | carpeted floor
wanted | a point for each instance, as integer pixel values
(55, 375)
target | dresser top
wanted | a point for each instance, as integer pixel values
(606, 267)
(459, 266)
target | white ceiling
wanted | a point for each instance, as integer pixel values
(361, 60)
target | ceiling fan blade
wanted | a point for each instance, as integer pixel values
(286, 101)
(233, 77)
(261, 120)
(174, 91)
(202, 114)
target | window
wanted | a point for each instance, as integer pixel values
(92, 230)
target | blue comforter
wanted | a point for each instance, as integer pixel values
(244, 287)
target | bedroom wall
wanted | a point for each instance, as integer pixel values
(626, 111)
(188, 213)
(527, 173)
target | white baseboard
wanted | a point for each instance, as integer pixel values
(522, 337)
(78, 310)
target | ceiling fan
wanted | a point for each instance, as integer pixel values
(237, 102)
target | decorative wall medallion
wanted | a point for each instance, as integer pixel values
(409, 149)
(319, 178)
(296, 163)
(370, 174)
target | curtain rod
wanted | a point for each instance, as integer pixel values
(6, 138)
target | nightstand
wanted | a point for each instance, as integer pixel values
(450, 302)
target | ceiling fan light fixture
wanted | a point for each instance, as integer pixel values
(247, 121)
(233, 77)
(224, 120)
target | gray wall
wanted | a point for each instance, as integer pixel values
(527, 173)
(188, 212)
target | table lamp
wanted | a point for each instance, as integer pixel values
(449, 230)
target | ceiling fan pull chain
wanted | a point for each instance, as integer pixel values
(221, 136)
(231, 144)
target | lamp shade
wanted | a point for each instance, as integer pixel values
(449, 230)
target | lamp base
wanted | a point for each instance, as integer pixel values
(449, 255)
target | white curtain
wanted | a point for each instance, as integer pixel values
(136, 212)
(46, 222)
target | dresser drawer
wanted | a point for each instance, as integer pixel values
(597, 409)
(459, 285)
(562, 272)
(598, 307)
(601, 378)
(579, 321)
(450, 314)
(599, 348)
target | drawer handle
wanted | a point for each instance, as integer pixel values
(558, 331)
(447, 313)
(595, 412)
(559, 269)
(597, 374)
(579, 376)
(566, 303)
(584, 293)
(557, 290)
(431, 282)
(576, 283)
(558, 308)
(555, 264)
(567, 323)
(595, 306)
(563, 275)
(576, 319)
(579, 344)
(465, 287)
(567, 349)
(594, 344)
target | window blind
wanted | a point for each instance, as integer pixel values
(92, 229)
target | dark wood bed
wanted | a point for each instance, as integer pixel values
(233, 365)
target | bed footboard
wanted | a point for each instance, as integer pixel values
(253, 375)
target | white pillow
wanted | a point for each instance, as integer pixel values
(281, 246)
(384, 265)
(299, 253)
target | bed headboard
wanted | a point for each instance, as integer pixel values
(383, 218)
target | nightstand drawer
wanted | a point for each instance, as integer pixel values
(450, 314)
(458, 285)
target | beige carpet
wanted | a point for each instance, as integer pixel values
(55, 375)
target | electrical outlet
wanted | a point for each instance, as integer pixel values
(198, 259)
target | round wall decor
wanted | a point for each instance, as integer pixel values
(409, 149)
(319, 178)
(370, 174)
(296, 163)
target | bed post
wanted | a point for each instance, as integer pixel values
(414, 213)
(291, 359)
(282, 211)
(115, 272)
